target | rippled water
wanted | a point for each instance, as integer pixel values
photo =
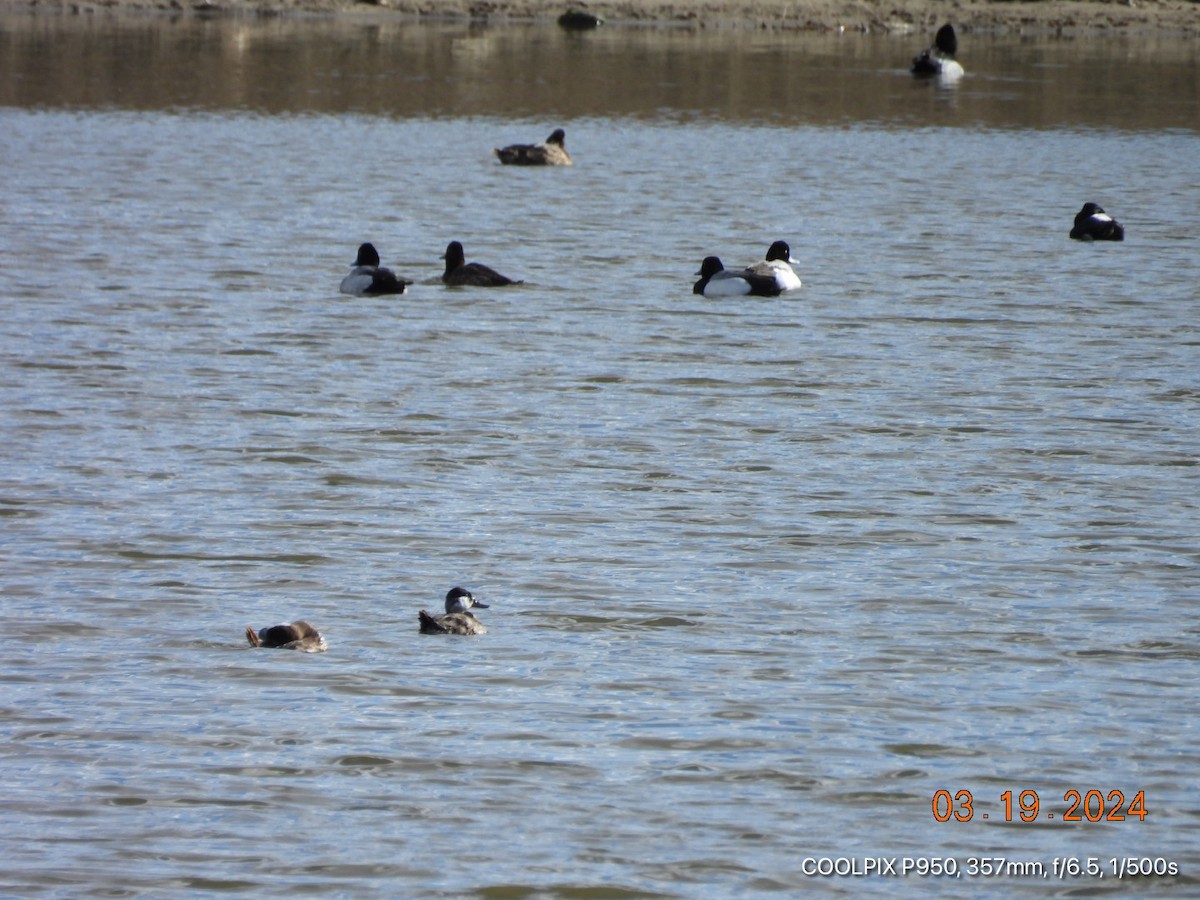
(763, 575)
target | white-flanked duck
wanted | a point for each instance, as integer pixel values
(298, 635)
(1092, 223)
(459, 271)
(939, 59)
(777, 265)
(717, 281)
(368, 277)
(552, 152)
(458, 618)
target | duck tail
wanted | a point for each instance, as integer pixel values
(253, 637)
(429, 624)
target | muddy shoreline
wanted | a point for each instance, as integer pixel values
(868, 16)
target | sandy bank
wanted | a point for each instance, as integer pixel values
(1115, 16)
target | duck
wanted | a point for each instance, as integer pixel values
(458, 618)
(298, 635)
(368, 277)
(717, 281)
(459, 271)
(777, 265)
(551, 153)
(939, 59)
(1092, 223)
(579, 20)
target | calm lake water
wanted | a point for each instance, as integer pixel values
(764, 575)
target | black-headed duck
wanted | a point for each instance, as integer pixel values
(459, 271)
(458, 618)
(939, 59)
(368, 277)
(777, 265)
(1092, 223)
(298, 635)
(717, 281)
(551, 153)
(579, 20)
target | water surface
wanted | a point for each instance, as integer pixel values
(764, 575)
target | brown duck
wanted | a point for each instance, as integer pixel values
(458, 618)
(298, 635)
(459, 271)
(551, 153)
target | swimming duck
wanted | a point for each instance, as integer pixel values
(1093, 224)
(298, 635)
(367, 277)
(777, 265)
(458, 618)
(579, 20)
(939, 59)
(716, 281)
(459, 271)
(551, 153)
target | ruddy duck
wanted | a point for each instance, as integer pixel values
(368, 277)
(551, 153)
(298, 635)
(458, 618)
(778, 265)
(459, 271)
(1093, 224)
(717, 281)
(939, 59)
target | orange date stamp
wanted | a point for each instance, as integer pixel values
(1026, 806)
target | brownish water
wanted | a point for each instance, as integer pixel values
(406, 70)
